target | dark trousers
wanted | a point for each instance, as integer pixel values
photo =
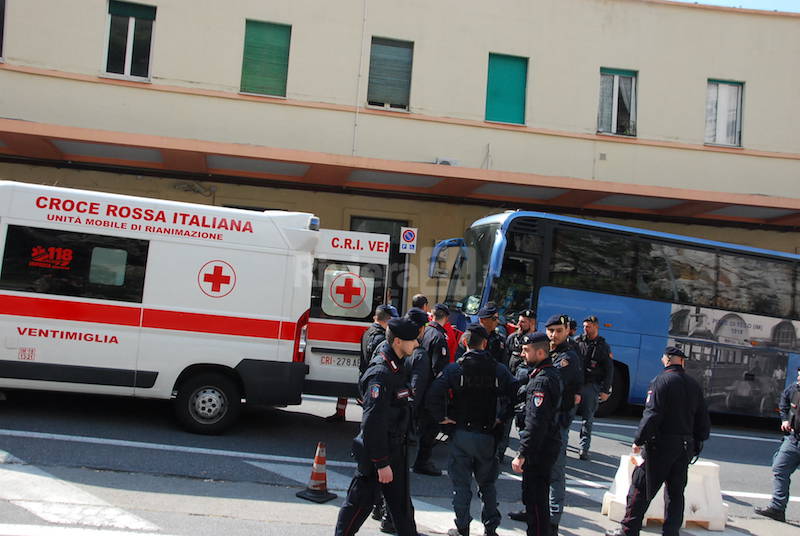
(472, 454)
(536, 489)
(364, 492)
(428, 429)
(667, 464)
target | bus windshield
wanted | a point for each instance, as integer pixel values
(470, 269)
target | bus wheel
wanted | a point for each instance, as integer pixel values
(208, 403)
(619, 394)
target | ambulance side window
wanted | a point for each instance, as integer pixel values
(346, 290)
(66, 263)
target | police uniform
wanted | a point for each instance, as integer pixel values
(370, 341)
(539, 437)
(382, 440)
(598, 377)
(674, 424)
(434, 344)
(570, 368)
(787, 458)
(514, 346)
(479, 391)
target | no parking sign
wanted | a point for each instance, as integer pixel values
(408, 239)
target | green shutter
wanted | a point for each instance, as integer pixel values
(126, 9)
(390, 72)
(265, 65)
(505, 89)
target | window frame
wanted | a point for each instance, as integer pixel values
(2, 28)
(125, 75)
(617, 73)
(388, 106)
(739, 113)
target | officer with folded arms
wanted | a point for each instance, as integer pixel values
(526, 323)
(380, 447)
(598, 377)
(674, 425)
(478, 389)
(540, 433)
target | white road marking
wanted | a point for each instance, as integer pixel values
(726, 436)
(749, 495)
(56, 501)
(7, 529)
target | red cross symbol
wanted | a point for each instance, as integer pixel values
(350, 293)
(222, 278)
(348, 290)
(217, 279)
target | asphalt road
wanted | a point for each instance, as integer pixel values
(118, 439)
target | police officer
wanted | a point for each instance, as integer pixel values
(479, 387)
(598, 378)
(540, 435)
(787, 458)
(380, 447)
(434, 344)
(489, 318)
(570, 368)
(372, 337)
(525, 323)
(674, 425)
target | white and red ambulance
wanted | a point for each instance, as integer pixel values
(212, 307)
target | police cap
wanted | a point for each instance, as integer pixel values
(390, 309)
(591, 319)
(487, 311)
(442, 307)
(556, 320)
(534, 338)
(418, 316)
(478, 330)
(527, 313)
(674, 351)
(573, 324)
(404, 329)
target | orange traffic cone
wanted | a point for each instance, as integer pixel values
(317, 489)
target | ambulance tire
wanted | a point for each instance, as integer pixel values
(208, 403)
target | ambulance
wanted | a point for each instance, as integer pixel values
(209, 307)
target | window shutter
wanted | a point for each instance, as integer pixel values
(505, 89)
(265, 65)
(126, 9)
(390, 72)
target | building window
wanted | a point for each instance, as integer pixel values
(724, 113)
(130, 34)
(2, 23)
(390, 73)
(265, 63)
(617, 113)
(505, 88)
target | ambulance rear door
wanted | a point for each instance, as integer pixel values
(349, 282)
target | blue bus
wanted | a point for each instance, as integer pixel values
(735, 310)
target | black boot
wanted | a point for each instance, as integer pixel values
(772, 513)
(521, 515)
(458, 532)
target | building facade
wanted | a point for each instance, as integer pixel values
(379, 114)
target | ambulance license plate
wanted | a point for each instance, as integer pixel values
(338, 361)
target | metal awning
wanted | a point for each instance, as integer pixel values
(217, 161)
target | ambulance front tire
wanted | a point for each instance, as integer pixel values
(208, 403)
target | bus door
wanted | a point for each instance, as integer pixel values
(349, 282)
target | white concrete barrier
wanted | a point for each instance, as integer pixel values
(703, 496)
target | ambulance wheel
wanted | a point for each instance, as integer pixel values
(208, 403)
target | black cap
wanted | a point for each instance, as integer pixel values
(442, 307)
(418, 316)
(534, 338)
(391, 309)
(527, 313)
(591, 319)
(478, 330)
(404, 329)
(487, 311)
(672, 350)
(554, 320)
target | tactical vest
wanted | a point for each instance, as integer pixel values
(475, 398)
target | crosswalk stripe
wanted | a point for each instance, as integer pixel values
(56, 501)
(9, 529)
